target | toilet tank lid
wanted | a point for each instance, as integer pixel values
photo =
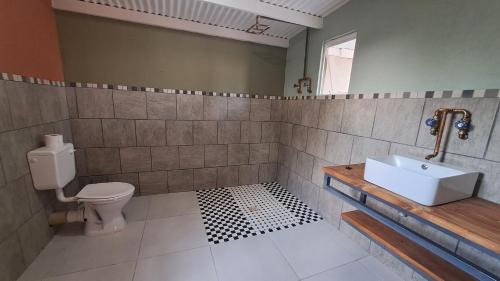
(105, 190)
(45, 150)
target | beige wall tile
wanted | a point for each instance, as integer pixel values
(299, 137)
(248, 174)
(238, 154)
(305, 164)
(238, 109)
(294, 115)
(14, 206)
(5, 117)
(310, 113)
(227, 176)
(12, 262)
(268, 172)
(363, 148)
(205, 178)
(94, 103)
(191, 156)
(358, 116)
(398, 120)
(153, 182)
(330, 115)
(135, 159)
(259, 153)
(189, 107)
(150, 132)
(338, 148)
(316, 142)
(24, 104)
(276, 110)
(102, 161)
(118, 132)
(215, 155)
(53, 104)
(180, 180)
(228, 132)
(87, 133)
(34, 235)
(165, 158)
(251, 132)
(260, 110)
(214, 108)
(161, 106)
(130, 104)
(271, 131)
(205, 132)
(179, 132)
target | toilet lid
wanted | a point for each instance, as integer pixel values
(105, 190)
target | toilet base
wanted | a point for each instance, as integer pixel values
(95, 226)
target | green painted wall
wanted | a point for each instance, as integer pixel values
(109, 51)
(408, 45)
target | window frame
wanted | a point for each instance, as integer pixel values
(324, 51)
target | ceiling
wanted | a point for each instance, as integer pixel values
(215, 15)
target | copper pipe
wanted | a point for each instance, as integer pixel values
(441, 115)
(308, 85)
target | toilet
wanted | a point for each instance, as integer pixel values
(53, 167)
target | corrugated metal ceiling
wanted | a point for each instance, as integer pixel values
(208, 13)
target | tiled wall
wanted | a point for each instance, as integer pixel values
(166, 141)
(27, 112)
(317, 133)
(162, 142)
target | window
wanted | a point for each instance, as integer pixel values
(337, 64)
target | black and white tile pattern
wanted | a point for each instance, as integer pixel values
(471, 93)
(233, 213)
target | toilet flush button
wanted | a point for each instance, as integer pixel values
(33, 160)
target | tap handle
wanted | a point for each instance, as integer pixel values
(431, 122)
(462, 124)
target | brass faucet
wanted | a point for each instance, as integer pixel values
(438, 122)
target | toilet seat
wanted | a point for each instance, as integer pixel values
(105, 191)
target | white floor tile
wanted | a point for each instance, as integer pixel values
(365, 269)
(190, 265)
(70, 252)
(379, 270)
(316, 247)
(137, 208)
(173, 234)
(251, 259)
(173, 204)
(350, 272)
(119, 272)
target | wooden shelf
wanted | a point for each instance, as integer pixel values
(418, 257)
(473, 219)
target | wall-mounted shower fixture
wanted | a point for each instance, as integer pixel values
(438, 122)
(258, 28)
(305, 80)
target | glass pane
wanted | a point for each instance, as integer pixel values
(338, 65)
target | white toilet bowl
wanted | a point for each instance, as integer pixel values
(103, 206)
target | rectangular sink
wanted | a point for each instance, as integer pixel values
(424, 182)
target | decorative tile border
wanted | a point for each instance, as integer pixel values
(488, 93)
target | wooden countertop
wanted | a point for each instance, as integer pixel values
(474, 219)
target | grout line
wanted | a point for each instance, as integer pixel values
(493, 125)
(213, 262)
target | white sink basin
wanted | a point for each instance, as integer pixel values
(421, 181)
